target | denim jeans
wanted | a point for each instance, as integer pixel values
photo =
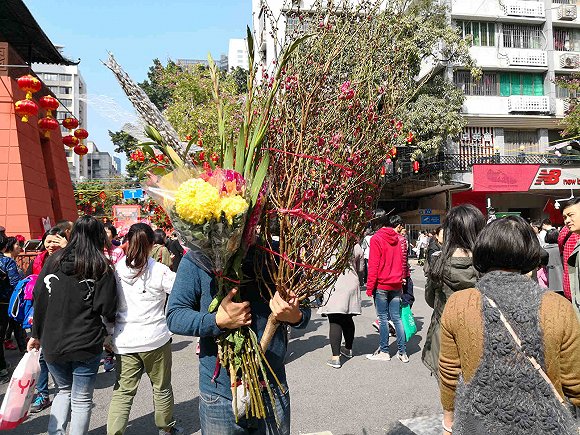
(217, 417)
(388, 306)
(42, 384)
(76, 383)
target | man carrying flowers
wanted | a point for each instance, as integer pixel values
(188, 314)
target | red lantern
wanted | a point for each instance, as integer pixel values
(70, 141)
(49, 104)
(29, 84)
(416, 166)
(25, 108)
(81, 150)
(410, 137)
(70, 123)
(81, 133)
(394, 153)
(47, 124)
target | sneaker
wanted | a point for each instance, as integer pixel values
(172, 431)
(334, 363)
(4, 376)
(403, 357)
(40, 403)
(197, 348)
(346, 352)
(9, 345)
(109, 364)
(379, 356)
(392, 331)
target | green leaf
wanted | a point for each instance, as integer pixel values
(241, 150)
(259, 178)
(147, 149)
(215, 304)
(153, 134)
(174, 156)
(228, 162)
(188, 147)
(250, 40)
(239, 341)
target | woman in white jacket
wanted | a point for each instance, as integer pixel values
(141, 338)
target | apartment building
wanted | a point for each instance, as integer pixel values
(68, 85)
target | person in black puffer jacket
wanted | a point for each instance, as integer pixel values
(75, 290)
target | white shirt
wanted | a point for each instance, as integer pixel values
(140, 325)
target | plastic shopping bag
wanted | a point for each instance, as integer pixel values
(408, 322)
(19, 394)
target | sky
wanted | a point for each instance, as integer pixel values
(136, 32)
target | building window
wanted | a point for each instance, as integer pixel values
(515, 36)
(482, 34)
(51, 77)
(563, 92)
(486, 86)
(476, 145)
(53, 89)
(521, 84)
(60, 115)
(517, 141)
(65, 77)
(566, 39)
(564, 2)
(65, 90)
(296, 26)
(66, 102)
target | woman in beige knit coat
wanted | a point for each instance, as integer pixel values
(490, 384)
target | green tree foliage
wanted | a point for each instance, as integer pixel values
(156, 87)
(88, 200)
(571, 121)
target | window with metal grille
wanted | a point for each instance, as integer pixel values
(564, 2)
(563, 92)
(566, 39)
(482, 34)
(486, 86)
(296, 26)
(516, 36)
(521, 141)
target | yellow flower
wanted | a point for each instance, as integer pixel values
(233, 206)
(197, 201)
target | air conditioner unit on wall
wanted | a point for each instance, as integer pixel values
(569, 61)
(567, 12)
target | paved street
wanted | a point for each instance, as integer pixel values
(363, 397)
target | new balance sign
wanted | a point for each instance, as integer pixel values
(556, 178)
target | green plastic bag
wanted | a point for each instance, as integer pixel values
(408, 322)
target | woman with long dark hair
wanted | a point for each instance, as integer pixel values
(452, 270)
(141, 339)
(510, 350)
(75, 289)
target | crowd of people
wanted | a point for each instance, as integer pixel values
(497, 339)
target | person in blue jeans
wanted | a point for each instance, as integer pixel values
(387, 274)
(75, 290)
(187, 314)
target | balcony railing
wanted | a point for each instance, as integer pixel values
(452, 163)
(528, 58)
(521, 8)
(525, 103)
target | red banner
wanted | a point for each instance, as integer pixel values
(504, 178)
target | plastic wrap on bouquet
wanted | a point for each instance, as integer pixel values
(208, 210)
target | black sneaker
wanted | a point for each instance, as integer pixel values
(40, 403)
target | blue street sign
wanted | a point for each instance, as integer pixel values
(433, 219)
(132, 193)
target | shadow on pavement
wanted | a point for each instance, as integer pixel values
(300, 347)
(105, 380)
(186, 413)
(176, 347)
(38, 424)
